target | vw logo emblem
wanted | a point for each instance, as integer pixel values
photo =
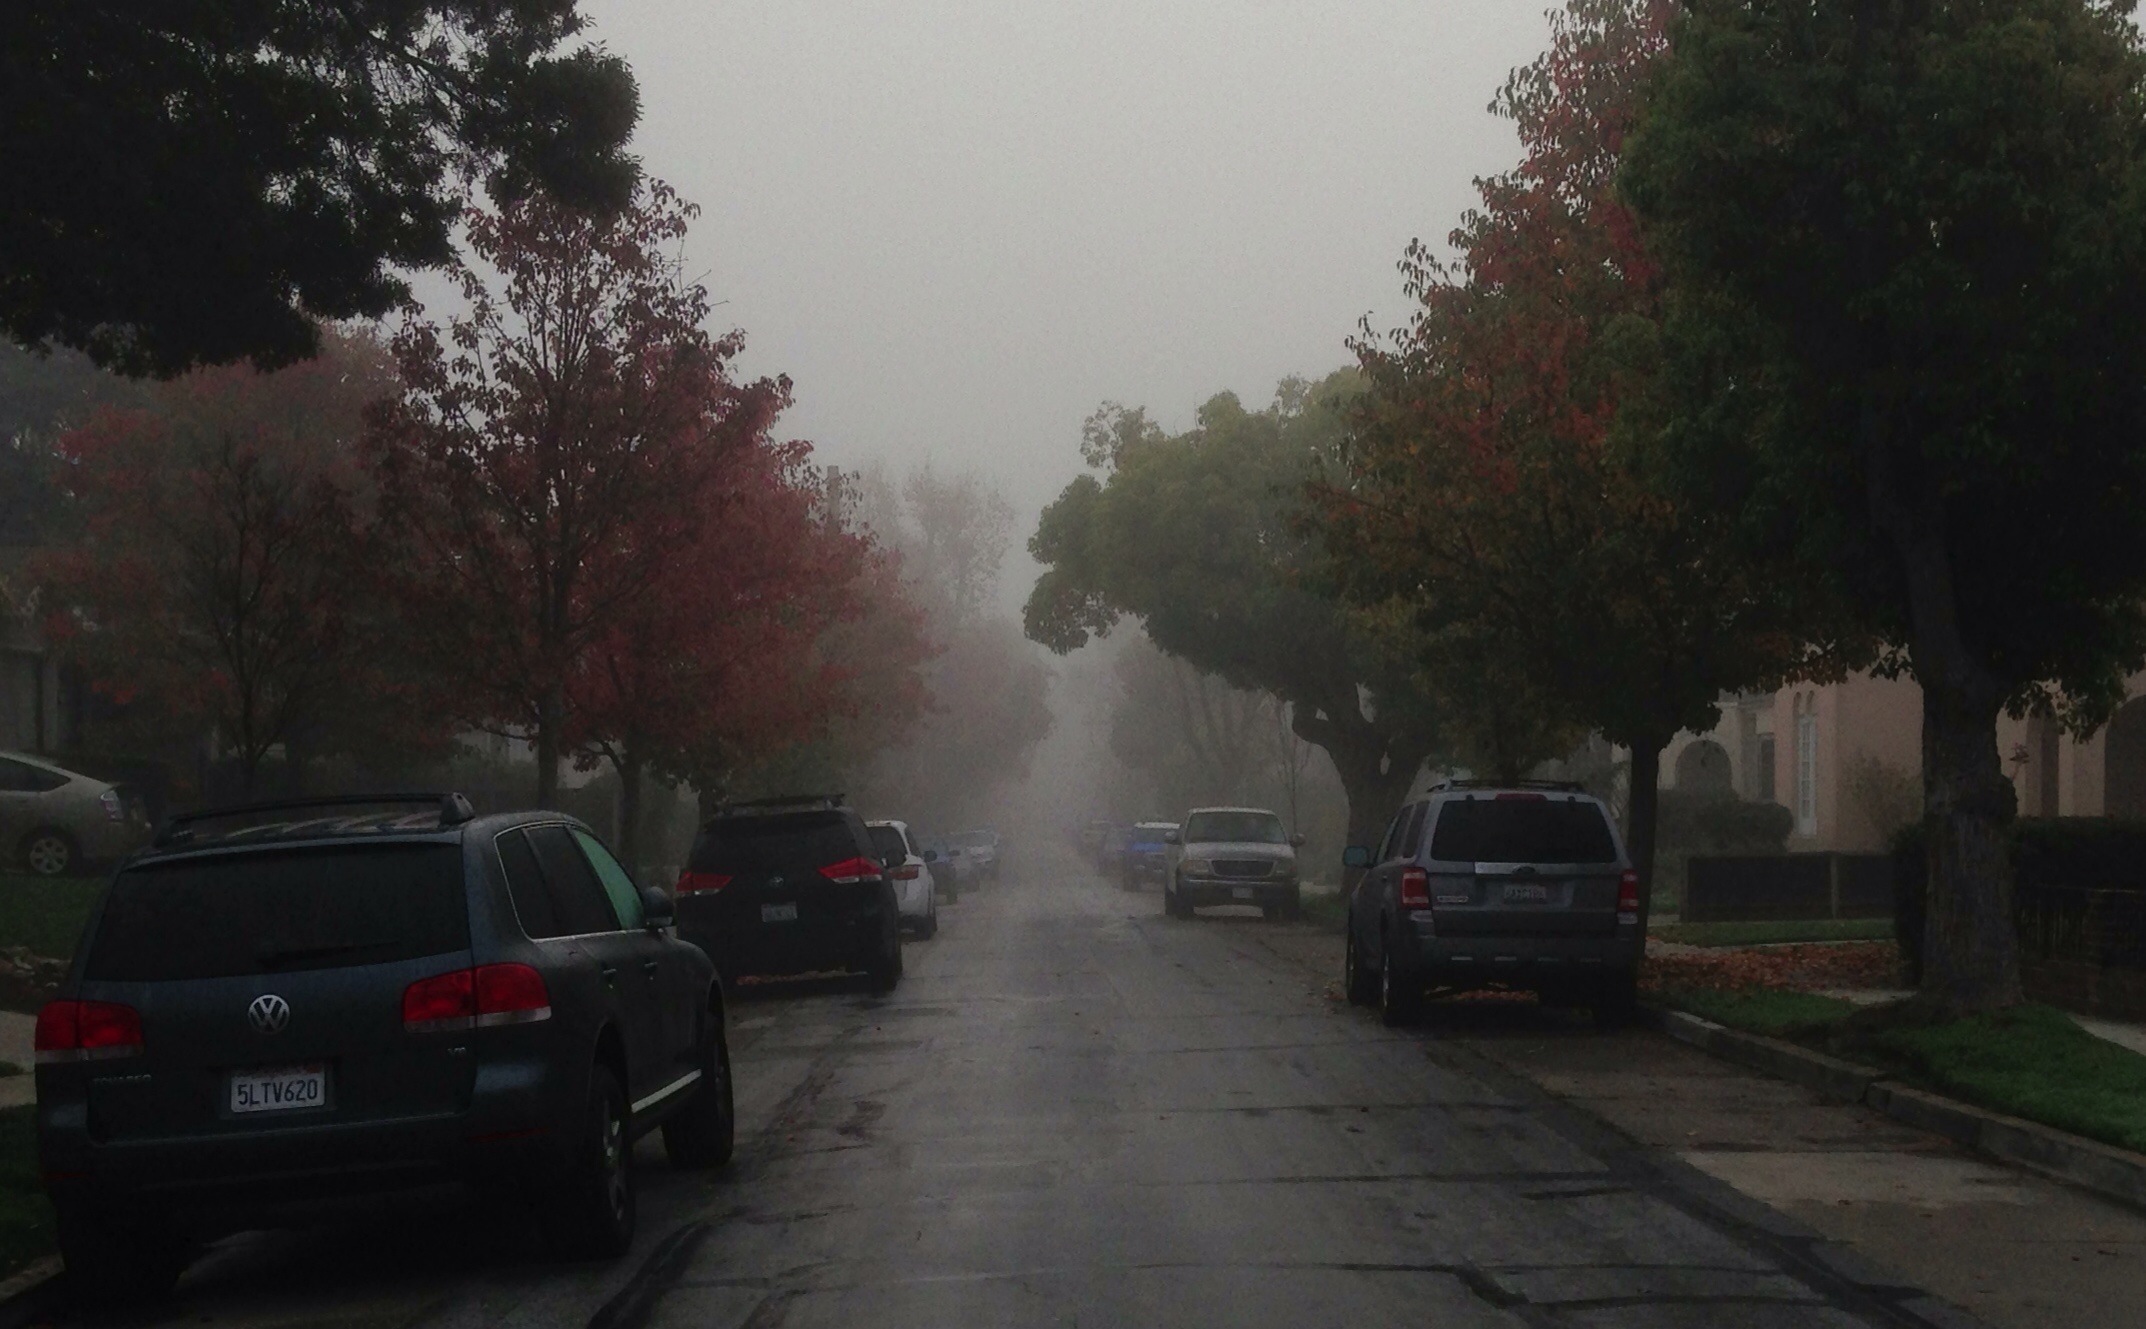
(269, 1013)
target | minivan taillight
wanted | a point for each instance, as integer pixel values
(850, 871)
(87, 1031)
(1415, 888)
(1628, 897)
(701, 883)
(490, 994)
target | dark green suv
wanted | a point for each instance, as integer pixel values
(285, 1003)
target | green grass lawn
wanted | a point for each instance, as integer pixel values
(1761, 934)
(2032, 1061)
(26, 1229)
(45, 914)
(1760, 1010)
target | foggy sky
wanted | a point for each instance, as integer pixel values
(960, 226)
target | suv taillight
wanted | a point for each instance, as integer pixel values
(1415, 888)
(1628, 897)
(701, 883)
(87, 1031)
(851, 871)
(490, 994)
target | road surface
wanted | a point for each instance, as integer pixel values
(1075, 1111)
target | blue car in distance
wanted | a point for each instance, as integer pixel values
(1147, 854)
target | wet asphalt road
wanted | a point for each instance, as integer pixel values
(1075, 1111)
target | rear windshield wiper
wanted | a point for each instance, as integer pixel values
(301, 955)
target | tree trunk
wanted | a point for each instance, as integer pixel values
(1970, 942)
(1641, 806)
(629, 766)
(1374, 795)
(550, 711)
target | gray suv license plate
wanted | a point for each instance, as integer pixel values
(1530, 893)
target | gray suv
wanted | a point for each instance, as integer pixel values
(1479, 885)
(289, 1003)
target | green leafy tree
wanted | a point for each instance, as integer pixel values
(1199, 536)
(195, 183)
(1498, 482)
(1909, 246)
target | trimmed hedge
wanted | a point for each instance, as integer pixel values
(2088, 853)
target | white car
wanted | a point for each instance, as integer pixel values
(916, 894)
(981, 849)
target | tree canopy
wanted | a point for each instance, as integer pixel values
(1199, 536)
(196, 183)
(1908, 245)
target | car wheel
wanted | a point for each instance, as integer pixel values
(704, 1133)
(1617, 1001)
(1400, 1000)
(1172, 904)
(115, 1262)
(593, 1211)
(1356, 981)
(885, 969)
(929, 928)
(49, 852)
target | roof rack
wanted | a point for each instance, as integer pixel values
(454, 810)
(1558, 786)
(826, 801)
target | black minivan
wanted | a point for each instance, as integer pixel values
(787, 886)
(288, 1003)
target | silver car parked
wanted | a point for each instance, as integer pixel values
(56, 822)
(1238, 856)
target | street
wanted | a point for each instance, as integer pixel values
(1075, 1111)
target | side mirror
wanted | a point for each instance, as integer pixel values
(1172, 837)
(1297, 841)
(1356, 856)
(657, 910)
(931, 855)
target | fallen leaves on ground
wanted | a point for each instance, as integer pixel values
(1814, 967)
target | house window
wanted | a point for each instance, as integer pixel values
(1806, 766)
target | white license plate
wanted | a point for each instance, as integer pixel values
(1517, 894)
(1241, 893)
(284, 1089)
(778, 913)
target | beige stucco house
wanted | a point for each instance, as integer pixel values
(1845, 757)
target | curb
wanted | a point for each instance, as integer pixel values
(2117, 1174)
(32, 1295)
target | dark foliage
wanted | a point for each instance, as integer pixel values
(191, 184)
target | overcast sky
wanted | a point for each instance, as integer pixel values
(960, 226)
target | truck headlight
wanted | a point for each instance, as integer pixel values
(1197, 867)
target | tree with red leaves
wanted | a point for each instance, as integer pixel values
(724, 663)
(222, 571)
(1497, 489)
(557, 457)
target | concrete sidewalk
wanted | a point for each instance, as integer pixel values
(2008, 1246)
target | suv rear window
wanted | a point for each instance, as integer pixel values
(268, 913)
(790, 842)
(1522, 830)
(887, 843)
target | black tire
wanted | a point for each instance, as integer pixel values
(49, 851)
(704, 1133)
(884, 970)
(1173, 904)
(1293, 908)
(593, 1209)
(1616, 1002)
(929, 928)
(1400, 995)
(116, 1262)
(1357, 982)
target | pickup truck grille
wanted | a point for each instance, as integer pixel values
(1243, 868)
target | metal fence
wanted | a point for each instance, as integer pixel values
(1786, 887)
(2083, 948)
